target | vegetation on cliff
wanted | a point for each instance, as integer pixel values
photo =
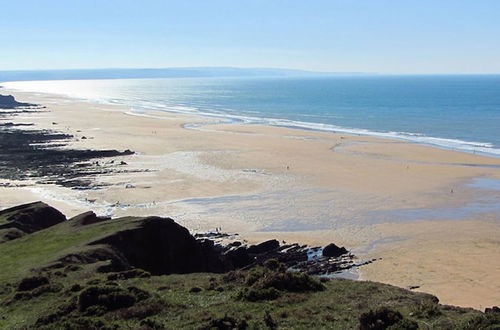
(150, 273)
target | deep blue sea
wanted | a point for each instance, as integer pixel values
(459, 112)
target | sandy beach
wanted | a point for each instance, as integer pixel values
(432, 216)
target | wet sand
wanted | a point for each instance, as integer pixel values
(419, 208)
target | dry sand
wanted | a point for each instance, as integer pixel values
(414, 206)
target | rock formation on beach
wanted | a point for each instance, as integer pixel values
(9, 102)
(35, 153)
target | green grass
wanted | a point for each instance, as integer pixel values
(302, 302)
(35, 250)
(338, 306)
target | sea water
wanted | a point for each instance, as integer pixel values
(460, 112)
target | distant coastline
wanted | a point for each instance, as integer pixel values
(181, 72)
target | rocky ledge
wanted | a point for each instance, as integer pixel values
(9, 102)
(161, 246)
(44, 156)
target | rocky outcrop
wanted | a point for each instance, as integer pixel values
(264, 247)
(238, 258)
(9, 102)
(28, 218)
(161, 246)
(44, 156)
(332, 250)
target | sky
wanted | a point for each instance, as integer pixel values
(383, 36)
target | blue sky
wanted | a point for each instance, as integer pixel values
(438, 36)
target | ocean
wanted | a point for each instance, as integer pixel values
(460, 112)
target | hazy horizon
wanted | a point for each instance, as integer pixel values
(411, 37)
(190, 72)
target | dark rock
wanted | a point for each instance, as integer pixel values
(10, 124)
(28, 154)
(29, 218)
(30, 283)
(234, 244)
(211, 235)
(264, 247)
(494, 309)
(238, 258)
(212, 253)
(332, 250)
(161, 246)
(9, 102)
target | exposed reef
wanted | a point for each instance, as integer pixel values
(9, 102)
(44, 156)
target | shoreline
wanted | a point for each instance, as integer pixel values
(446, 143)
(246, 178)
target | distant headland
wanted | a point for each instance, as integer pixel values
(181, 72)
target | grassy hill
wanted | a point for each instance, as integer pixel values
(67, 276)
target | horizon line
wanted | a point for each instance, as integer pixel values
(250, 68)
